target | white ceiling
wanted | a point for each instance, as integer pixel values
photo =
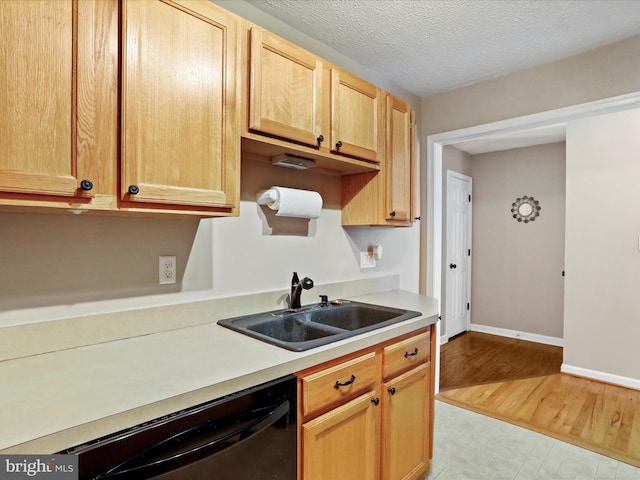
(430, 46)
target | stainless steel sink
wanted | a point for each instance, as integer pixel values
(316, 325)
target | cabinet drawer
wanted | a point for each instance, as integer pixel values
(406, 354)
(338, 383)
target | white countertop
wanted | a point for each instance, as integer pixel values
(59, 399)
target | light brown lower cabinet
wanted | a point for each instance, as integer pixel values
(405, 416)
(343, 442)
(369, 416)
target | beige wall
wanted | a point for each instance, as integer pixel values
(456, 160)
(602, 311)
(57, 262)
(516, 274)
(65, 259)
(601, 73)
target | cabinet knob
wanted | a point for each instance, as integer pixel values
(134, 189)
(338, 144)
(393, 214)
(391, 390)
(320, 138)
(453, 265)
(375, 401)
(416, 218)
(86, 185)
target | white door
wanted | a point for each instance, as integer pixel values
(458, 254)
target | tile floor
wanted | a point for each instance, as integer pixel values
(470, 446)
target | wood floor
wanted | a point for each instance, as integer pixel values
(600, 417)
(474, 358)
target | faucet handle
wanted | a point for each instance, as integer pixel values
(324, 300)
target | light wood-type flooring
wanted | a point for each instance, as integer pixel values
(600, 417)
(474, 358)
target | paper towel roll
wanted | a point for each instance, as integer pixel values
(291, 202)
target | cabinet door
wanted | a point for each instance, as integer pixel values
(342, 443)
(180, 132)
(357, 117)
(286, 89)
(398, 161)
(406, 425)
(415, 172)
(46, 95)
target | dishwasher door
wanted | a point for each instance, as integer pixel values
(248, 435)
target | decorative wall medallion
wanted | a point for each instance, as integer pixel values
(525, 209)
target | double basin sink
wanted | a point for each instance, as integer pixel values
(316, 325)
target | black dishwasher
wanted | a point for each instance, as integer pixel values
(247, 435)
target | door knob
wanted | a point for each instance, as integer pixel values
(452, 265)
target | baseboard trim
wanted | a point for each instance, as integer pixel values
(444, 339)
(504, 332)
(601, 376)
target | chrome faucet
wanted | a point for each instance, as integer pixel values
(297, 286)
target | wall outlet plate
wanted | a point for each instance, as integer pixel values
(166, 269)
(367, 261)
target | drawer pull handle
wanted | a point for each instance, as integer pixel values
(412, 354)
(344, 384)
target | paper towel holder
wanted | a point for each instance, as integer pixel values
(275, 222)
(296, 203)
(292, 161)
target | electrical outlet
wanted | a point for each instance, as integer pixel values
(167, 269)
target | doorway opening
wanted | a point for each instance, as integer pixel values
(521, 131)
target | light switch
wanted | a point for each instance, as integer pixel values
(366, 260)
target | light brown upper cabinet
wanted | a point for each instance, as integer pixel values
(301, 105)
(398, 169)
(285, 93)
(357, 117)
(179, 140)
(57, 102)
(286, 101)
(390, 197)
(180, 133)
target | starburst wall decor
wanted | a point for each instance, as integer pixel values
(525, 209)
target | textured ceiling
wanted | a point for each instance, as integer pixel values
(430, 46)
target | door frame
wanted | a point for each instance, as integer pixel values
(460, 176)
(431, 232)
